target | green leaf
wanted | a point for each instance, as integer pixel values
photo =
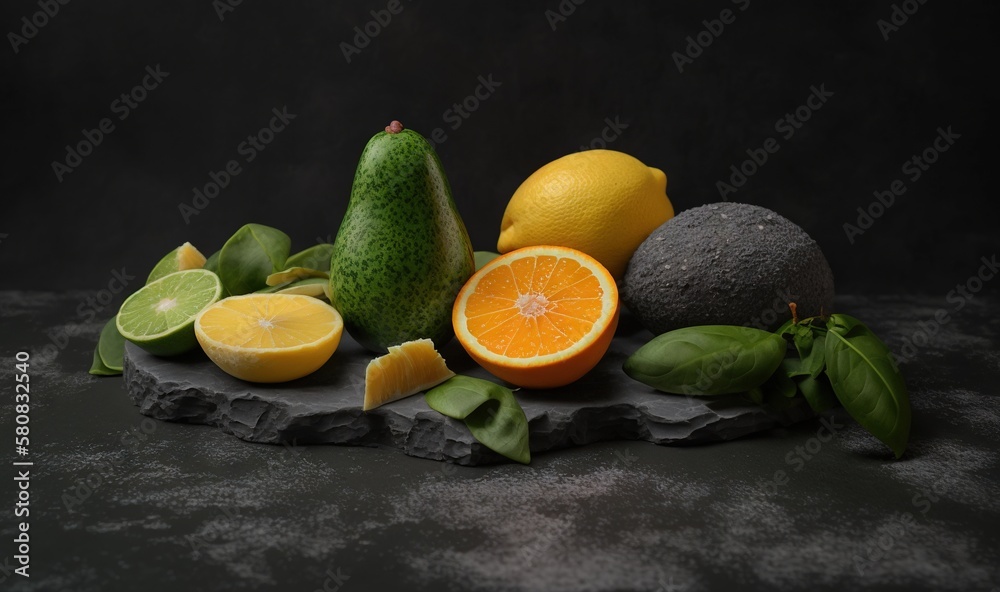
(787, 327)
(793, 367)
(812, 350)
(707, 360)
(315, 257)
(867, 382)
(294, 274)
(212, 263)
(484, 257)
(489, 410)
(97, 368)
(250, 255)
(781, 384)
(111, 346)
(778, 392)
(817, 392)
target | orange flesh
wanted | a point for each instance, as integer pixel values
(534, 306)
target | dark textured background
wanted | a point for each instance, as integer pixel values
(607, 60)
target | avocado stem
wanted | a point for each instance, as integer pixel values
(795, 315)
(394, 128)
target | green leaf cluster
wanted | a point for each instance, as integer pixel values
(834, 359)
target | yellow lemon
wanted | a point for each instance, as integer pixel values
(269, 337)
(601, 202)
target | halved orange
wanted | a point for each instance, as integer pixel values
(538, 317)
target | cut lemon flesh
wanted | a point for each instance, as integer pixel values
(407, 369)
(269, 337)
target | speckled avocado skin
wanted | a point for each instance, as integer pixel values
(402, 252)
(728, 264)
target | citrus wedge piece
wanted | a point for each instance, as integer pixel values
(406, 370)
(538, 317)
(111, 346)
(269, 337)
(159, 317)
(182, 258)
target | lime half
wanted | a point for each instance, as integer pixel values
(159, 318)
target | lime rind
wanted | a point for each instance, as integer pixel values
(98, 368)
(160, 316)
(111, 346)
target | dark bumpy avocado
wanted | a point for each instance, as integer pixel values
(402, 252)
(726, 264)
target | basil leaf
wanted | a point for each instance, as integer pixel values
(315, 257)
(867, 382)
(817, 392)
(484, 257)
(812, 350)
(787, 327)
(212, 263)
(707, 360)
(489, 410)
(793, 367)
(250, 255)
(781, 384)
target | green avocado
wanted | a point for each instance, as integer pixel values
(402, 252)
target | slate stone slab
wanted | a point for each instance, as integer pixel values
(325, 407)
